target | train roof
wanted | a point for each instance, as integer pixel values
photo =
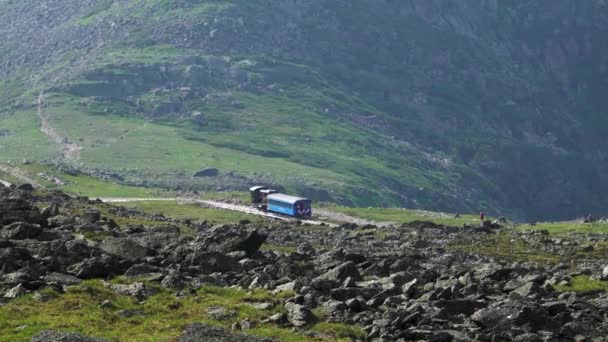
(258, 187)
(286, 198)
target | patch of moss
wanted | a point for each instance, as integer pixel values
(583, 283)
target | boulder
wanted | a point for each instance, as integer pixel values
(212, 261)
(299, 315)
(340, 273)
(124, 248)
(460, 306)
(18, 210)
(604, 275)
(56, 336)
(137, 290)
(16, 292)
(206, 172)
(490, 318)
(530, 289)
(61, 279)
(201, 332)
(91, 216)
(50, 211)
(144, 271)
(19, 231)
(219, 313)
(228, 238)
(26, 187)
(95, 267)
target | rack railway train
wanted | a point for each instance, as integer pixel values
(267, 199)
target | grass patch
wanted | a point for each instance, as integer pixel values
(504, 245)
(85, 185)
(568, 227)
(163, 316)
(583, 283)
(400, 215)
(341, 332)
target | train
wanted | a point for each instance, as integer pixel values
(270, 200)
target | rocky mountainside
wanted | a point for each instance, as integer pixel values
(72, 259)
(437, 104)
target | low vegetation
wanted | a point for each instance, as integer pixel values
(568, 227)
(400, 215)
(583, 283)
(161, 317)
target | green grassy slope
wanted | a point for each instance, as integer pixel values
(384, 105)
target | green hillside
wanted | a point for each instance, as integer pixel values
(438, 105)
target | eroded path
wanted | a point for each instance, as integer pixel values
(69, 150)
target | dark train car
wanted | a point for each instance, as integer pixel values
(259, 196)
(289, 205)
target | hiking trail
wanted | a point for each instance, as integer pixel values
(69, 150)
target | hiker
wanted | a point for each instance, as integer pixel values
(482, 215)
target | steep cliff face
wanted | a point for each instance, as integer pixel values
(502, 99)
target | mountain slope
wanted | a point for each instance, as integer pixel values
(438, 104)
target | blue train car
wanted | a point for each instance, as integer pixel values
(289, 205)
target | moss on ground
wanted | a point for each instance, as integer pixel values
(568, 227)
(401, 215)
(162, 317)
(583, 283)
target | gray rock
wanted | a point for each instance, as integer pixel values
(220, 313)
(232, 238)
(530, 289)
(410, 287)
(604, 275)
(200, 332)
(489, 318)
(16, 292)
(460, 306)
(124, 248)
(20, 231)
(50, 211)
(341, 273)
(127, 313)
(299, 315)
(62, 279)
(137, 290)
(528, 337)
(56, 336)
(206, 172)
(91, 216)
(89, 268)
(175, 281)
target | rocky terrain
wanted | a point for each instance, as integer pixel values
(415, 282)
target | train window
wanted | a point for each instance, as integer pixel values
(279, 203)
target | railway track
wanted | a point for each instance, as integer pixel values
(253, 211)
(222, 205)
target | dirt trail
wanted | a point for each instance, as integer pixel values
(69, 150)
(325, 214)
